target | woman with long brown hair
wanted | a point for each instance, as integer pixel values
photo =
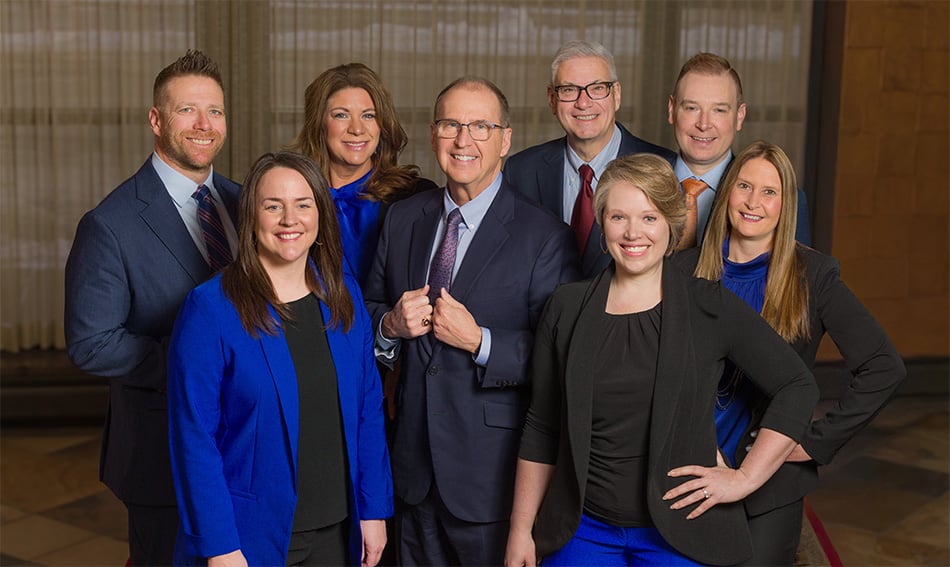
(750, 246)
(351, 130)
(275, 407)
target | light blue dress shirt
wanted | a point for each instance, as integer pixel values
(705, 200)
(473, 213)
(572, 176)
(180, 189)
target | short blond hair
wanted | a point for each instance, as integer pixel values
(654, 176)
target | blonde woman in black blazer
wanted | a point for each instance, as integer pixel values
(676, 506)
(750, 246)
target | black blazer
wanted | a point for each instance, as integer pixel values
(876, 372)
(538, 174)
(130, 267)
(702, 325)
(457, 423)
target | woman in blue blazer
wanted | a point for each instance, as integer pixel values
(275, 408)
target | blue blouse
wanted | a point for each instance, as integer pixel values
(735, 393)
(359, 225)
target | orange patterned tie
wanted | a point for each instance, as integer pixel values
(692, 187)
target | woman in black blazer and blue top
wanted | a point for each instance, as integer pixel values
(618, 456)
(750, 246)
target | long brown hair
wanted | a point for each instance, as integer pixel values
(786, 293)
(245, 281)
(389, 181)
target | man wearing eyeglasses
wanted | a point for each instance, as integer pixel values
(561, 175)
(459, 280)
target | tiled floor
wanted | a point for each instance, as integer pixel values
(883, 502)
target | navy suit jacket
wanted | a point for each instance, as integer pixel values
(538, 174)
(130, 267)
(458, 424)
(234, 430)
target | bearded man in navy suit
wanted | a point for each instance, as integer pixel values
(134, 259)
(460, 277)
(584, 95)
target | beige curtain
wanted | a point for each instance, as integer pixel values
(76, 79)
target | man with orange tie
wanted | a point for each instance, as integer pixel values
(561, 175)
(706, 110)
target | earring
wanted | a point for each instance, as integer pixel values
(603, 243)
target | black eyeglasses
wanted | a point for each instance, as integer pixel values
(595, 91)
(479, 130)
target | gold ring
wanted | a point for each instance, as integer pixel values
(425, 321)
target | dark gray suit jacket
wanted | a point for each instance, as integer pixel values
(702, 325)
(130, 267)
(538, 174)
(458, 424)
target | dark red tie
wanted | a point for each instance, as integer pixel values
(582, 218)
(219, 251)
(692, 187)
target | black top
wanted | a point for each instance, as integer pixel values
(321, 455)
(623, 377)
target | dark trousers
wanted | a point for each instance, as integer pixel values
(775, 535)
(152, 533)
(429, 534)
(322, 546)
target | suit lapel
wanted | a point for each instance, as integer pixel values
(581, 358)
(488, 241)
(674, 364)
(282, 371)
(161, 216)
(551, 179)
(421, 240)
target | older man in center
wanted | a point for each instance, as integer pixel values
(457, 286)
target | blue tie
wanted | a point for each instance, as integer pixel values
(440, 271)
(219, 251)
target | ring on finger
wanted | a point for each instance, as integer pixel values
(705, 493)
(425, 321)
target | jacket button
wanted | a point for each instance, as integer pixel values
(754, 433)
(748, 448)
(433, 370)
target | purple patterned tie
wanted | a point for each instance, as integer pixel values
(440, 271)
(219, 251)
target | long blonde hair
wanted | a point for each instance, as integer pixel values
(786, 294)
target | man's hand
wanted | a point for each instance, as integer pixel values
(454, 325)
(411, 316)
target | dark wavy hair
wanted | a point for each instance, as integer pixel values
(245, 281)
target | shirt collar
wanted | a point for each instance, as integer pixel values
(179, 187)
(711, 177)
(601, 160)
(473, 211)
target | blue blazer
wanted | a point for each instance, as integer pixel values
(233, 424)
(538, 174)
(131, 265)
(458, 424)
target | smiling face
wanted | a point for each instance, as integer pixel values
(469, 165)
(755, 204)
(705, 114)
(637, 235)
(588, 123)
(352, 134)
(190, 125)
(287, 219)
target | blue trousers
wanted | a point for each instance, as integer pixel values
(597, 543)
